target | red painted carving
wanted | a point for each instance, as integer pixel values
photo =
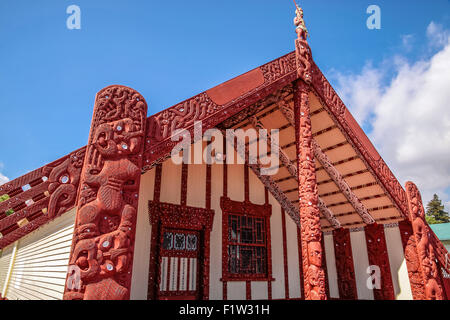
(312, 252)
(425, 249)
(63, 183)
(344, 264)
(341, 183)
(182, 217)
(378, 256)
(302, 49)
(103, 243)
(50, 191)
(412, 260)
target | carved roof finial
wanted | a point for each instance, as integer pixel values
(302, 31)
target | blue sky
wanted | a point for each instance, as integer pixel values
(170, 51)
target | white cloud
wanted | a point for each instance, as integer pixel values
(3, 178)
(437, 35)
(410, 116)
(407, 41)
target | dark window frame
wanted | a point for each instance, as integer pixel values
(258, 249)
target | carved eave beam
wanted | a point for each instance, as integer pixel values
(333, 172)
(292, 169)
(267, 181)
(342, 184)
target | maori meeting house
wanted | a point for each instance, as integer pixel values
(120, 219)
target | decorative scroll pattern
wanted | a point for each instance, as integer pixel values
(39, 196)
(425, 249)
(183, 217)
(311, 234)
(279, 67)
(102, 247)
(336, 107)
(344, 264)
(328, 214)
(184, 114)
(342, 184)
(378, 256)
(412, 260)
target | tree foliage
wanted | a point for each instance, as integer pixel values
(435, 211)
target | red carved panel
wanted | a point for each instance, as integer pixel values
(103, 242)
(344, 264)
(378, 256)
(311, 235)
(424, 246)
(412, 261)
(39, 196)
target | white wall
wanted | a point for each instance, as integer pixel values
(399, 271)
(361, 263)
(40, 266)
(141, 260)
(331, 265)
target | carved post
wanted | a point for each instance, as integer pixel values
(412, 261)
(101, 257)
(425, 250)
(311, 234)
(344, 264)
(378, 256)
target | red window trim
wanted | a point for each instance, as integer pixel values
(245, 208)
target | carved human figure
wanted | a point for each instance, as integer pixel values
(303, 51)
(104, 230)
(425, 250)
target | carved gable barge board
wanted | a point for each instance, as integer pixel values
(52, 190)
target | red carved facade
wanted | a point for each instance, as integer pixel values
(311, 235)
(51, 191)
(103, 243)
(378, 256)
(344, 264)
(412, 260)
(424, 248)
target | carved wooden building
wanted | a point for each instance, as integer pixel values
(120, 219)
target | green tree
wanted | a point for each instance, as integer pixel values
(435, 211)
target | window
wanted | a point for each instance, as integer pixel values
(246, 240)
(246, 245)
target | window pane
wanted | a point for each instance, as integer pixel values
(246, 235)
(180, 240)
(167, 241)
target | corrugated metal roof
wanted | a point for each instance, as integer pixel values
(442, 230)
